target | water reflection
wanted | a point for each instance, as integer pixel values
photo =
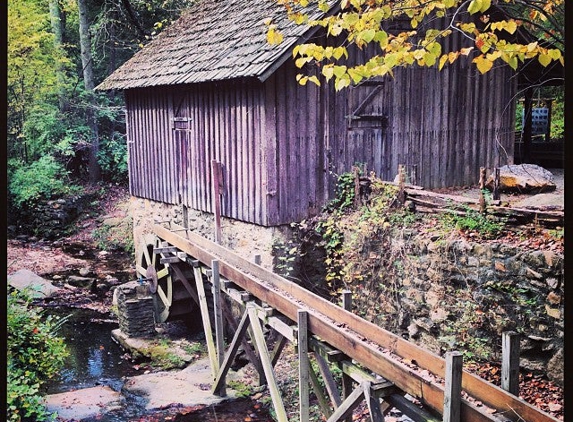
(94, 358)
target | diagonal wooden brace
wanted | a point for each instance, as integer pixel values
(231, 352)
(259, 339)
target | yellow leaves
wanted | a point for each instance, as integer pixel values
(273, 36)
(476, 6)
(359, 23)
(342, 82)
(302, 79)
(509, 26)
(470, 28)
(555, 54)
(544, 59)
(483, 64)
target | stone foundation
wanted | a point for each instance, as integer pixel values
(135, 310)
(247, 240)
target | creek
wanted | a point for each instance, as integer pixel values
(95, 359)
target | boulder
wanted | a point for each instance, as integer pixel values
(40, 288)
(523, 178)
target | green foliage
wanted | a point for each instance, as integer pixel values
(35, 355)
(112, 157)
(243, 389)
(42, 179)
(344, 193)
(473, 221)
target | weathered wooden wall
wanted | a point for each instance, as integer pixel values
(443, 125)
(282, 145)
(179, 131)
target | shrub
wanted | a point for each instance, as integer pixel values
(43, 178)
(35, 354)
(112, 158)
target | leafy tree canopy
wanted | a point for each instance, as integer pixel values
(407, 32)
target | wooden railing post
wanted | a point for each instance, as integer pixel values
(481, 188)
(510, 362)
(303, 366)
(218, 307)
(401, 184)
(346, 379)
(453, 388)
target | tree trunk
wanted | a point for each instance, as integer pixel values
(56, 21)
(94, 171)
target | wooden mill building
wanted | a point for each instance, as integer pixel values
(210, 88)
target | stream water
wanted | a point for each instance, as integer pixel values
(95, 359)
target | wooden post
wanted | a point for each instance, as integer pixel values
(303, 366)
(481, 188)
(510, 362)
(219, 333)
(356, 172)
(527, 126)
(373, 404)
(347, 300)
(217, 180)
(346, 379)
(401, 183)
(496, 184)
(453, 388)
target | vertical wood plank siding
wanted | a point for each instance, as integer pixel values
(170, 161)
(282, 145)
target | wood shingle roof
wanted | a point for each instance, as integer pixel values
(213, 40)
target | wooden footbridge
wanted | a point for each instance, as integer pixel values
(378, 368)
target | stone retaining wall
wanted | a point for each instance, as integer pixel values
(458, 295)
(49, 218)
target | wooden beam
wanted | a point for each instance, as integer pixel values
(251, 354)
(181, 277)
(321, 397)
(414, 412)
(206, 319)
(217, 180)
(277, 350)
(303, 367)
(329, 381)
(348, 405)
(346, 379)
(259, 339)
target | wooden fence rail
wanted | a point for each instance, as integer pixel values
(407, 367)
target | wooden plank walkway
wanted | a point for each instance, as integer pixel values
(373, 359)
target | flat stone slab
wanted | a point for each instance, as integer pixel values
(188, 387)
(84, 403)
(542, 200)
(40, 287)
